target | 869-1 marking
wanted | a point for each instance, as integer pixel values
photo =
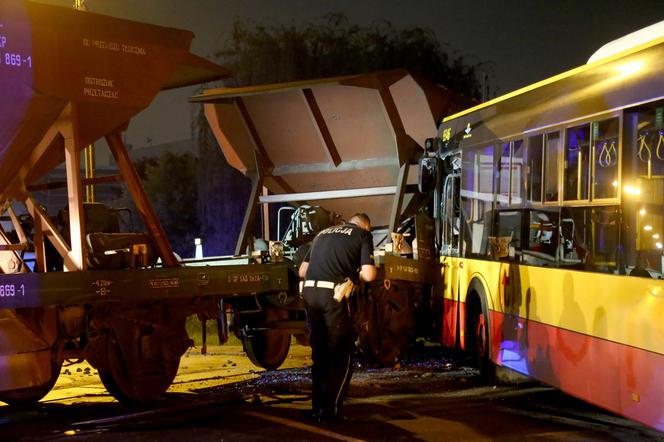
(16, 60)
(9, 290)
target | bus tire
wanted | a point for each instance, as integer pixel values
(478, 334)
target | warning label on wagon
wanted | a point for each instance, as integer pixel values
(164, 283)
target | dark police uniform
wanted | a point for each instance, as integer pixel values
(337, 252)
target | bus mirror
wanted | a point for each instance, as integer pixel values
(427, 174)
(429, 145)
(432, 145)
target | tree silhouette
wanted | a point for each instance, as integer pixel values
(171, 183)
(331, 47)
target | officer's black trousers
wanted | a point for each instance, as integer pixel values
(331, 338)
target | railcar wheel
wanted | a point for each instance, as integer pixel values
(266, 348)
(130, 378)
(29, 396)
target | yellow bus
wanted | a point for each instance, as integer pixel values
(549, 206)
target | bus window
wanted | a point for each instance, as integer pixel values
(477, 196)
(503, 176)
(517, 185)
(589, 238)
(577, 163)
(605, 151)
(551, 161)
(595, 240)
(572, 250)
(534, 170)
(644, 142)
(542, 242)
(506, 239)
(643, 190)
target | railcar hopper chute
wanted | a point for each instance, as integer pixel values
(347, 144)
(70, 78)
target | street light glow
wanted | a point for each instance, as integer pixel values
(631, 190)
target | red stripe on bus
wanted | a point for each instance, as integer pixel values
(618, 377)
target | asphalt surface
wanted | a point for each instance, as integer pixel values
(431, 395)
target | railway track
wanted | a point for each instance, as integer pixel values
(80, 405)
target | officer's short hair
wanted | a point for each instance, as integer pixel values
(362, 217)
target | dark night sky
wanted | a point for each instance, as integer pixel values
(527, 41)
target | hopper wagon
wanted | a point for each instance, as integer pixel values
(117, 299)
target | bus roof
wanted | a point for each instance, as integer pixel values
(657, 35)
(629, 41)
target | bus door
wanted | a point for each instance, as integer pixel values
(451, 216)
(450, 207)
(450, 247)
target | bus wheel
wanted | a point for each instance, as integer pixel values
(139, 367)
(481, 337)
(29, 396)
(266, 348)
(478, 345)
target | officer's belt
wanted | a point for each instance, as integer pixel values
(320, 284)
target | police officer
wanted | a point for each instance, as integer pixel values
(337, 253)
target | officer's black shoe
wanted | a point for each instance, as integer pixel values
(333, 418)
(313, 415)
